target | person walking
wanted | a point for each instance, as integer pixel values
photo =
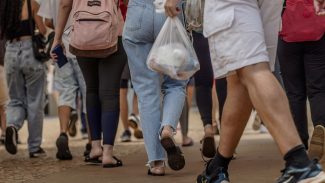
(101, 70)
(302, 61)
(4, 97)
(70, 82)
(25, 75)
(159, 119)
(243, 40)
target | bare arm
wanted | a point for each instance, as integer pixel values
(38, 20)
(49, 23)
(63, 16)
(320, 7)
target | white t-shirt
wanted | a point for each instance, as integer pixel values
(49, 9)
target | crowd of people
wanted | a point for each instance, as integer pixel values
(99, 50)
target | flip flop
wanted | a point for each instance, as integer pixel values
(176, 160)
(113, 165)
(94, 160)
(191, 143)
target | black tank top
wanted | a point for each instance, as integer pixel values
(23, 29)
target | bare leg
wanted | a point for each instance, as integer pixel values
(271, 104)
(3, 120)
(135, 105)
(64, 117)
(124, 108)
(235, 115)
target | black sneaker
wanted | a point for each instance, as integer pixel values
(62, 143)
(72, 124)
(11, 140)
(126, 136)
(312, 173)
(87, 149)
(219, 175)
(37, 154)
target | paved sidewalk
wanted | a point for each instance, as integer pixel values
(258, 161)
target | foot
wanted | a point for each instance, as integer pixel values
(157, 168)
(11, 140)
(312, 173)
(257, 122)
(317, 147)
(126, 136)
(187, 141)
(37, 154)
(263, 129)
(176, 160)
(111, 162)
(62, 144)
(72, 124)
(208, 143)
(219, 175)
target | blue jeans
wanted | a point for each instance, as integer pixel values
(161, 98)
(26, 79)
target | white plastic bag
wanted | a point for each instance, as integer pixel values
(173, 53)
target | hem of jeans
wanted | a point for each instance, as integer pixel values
(158, 159)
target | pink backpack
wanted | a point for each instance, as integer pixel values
(95, 28)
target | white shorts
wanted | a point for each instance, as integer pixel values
(241, 33)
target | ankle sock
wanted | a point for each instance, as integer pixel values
(218, 161)
(297, 157)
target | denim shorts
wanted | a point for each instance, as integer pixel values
(69, 82)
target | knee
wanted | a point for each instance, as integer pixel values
(109, 99)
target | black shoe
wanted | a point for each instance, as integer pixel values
(219, 175)
(310, 173)
(72, 124)
(37, 154)
(87, 149)
(11, 140)
(62, 143)
(176, 160)
(126, 136)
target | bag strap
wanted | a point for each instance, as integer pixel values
(30, 18)
(284, 6)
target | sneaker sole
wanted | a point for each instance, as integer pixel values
(208, 147)
(320, 178)
(62, 146)
(316, 148)
(11, 140)
(72, 125)
(176, 160)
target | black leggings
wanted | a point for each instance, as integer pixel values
(102, 77)
(204, 81)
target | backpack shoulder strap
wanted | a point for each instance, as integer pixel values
(30, 17)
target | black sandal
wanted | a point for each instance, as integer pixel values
(176, 160)
(208, 147)
(113, 165)
(94, 160)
